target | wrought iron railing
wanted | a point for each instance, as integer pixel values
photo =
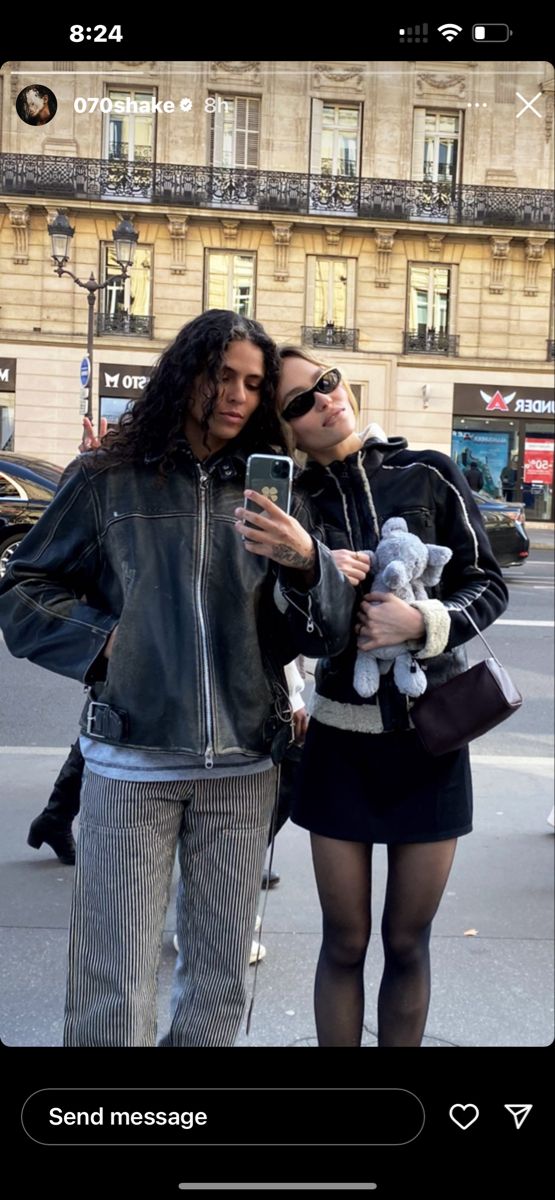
(275, 191)
(330, 335)
(551, 348)
(124, 323)
(430, 342)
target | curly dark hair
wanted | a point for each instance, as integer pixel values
(154, 426)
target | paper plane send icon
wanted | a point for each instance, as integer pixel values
(519, 1112)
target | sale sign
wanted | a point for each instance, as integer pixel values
(538, 460)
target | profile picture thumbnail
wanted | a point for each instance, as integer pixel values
(36, 104)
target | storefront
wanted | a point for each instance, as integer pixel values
(506, 435)
(7, 402)
(119, 386)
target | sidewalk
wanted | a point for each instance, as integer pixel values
(541, 534)
(493, 988)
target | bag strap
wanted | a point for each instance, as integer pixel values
(480, 634)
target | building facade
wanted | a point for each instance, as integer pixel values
(396, 217)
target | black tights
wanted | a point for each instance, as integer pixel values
(416, 879)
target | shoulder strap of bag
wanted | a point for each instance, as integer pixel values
(480, 634)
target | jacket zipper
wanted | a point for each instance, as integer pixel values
(209, 751)
(310, 623)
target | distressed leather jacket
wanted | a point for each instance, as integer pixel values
(204, 627)
(354, 498)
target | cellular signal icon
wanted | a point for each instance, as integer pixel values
(449, 31)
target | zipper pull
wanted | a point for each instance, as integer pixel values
(310, 622)
(209, 758)
(203, 477)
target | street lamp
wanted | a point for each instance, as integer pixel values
(125, 239)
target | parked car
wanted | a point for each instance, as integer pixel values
(505, 523)
(27, 486)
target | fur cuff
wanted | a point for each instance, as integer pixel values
(438, 627)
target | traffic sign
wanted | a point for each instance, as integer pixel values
(85, 370)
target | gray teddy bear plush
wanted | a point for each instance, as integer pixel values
(404, 565)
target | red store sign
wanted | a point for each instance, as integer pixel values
(538, 460)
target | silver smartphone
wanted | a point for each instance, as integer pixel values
(272, 476)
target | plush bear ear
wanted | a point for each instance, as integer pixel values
(438, 556)
(393, 525)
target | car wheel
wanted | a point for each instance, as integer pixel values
(8, 548)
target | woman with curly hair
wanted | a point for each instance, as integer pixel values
(136, 582)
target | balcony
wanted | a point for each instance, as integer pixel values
(430, 342)
(330, 335)
(286, 192)
(551, 349)
(124, 324)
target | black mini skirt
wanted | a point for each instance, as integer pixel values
(384, 787)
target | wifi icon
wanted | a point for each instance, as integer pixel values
(449, 31)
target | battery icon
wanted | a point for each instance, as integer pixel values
(491, 33)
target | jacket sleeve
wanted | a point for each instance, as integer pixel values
(472, 580)
(319, 617)
(58, 561)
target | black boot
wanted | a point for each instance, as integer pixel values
(53, 826)
(56, 833)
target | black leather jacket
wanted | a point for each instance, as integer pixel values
(203, 626)
(355, 497)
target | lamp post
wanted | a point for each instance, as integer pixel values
(125, 239)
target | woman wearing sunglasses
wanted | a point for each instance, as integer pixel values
(365, 778)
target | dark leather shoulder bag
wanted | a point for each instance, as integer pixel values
(467, 706)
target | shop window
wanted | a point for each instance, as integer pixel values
(7, 421)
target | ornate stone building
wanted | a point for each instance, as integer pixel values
(398, 217)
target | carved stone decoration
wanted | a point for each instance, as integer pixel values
(384, 246)
(548, 90)
(334, 233)
(281, 231)
(64, 66)
(19, 218)
(435, 244)
(535, 249)
(325, 73)
(178, 229)
(230, 230)
(441, 83)
(248, 68)
(499, 253)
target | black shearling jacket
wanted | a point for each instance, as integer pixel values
(203, 626)
(354, 498)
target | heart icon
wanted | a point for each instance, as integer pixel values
(468, 1114)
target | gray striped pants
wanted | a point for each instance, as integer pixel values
(128, 836)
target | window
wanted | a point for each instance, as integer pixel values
(126, 302)
(235, 131)
(10, 489)
(330, 302)
(230, 281)
(429, 300)
(129, 137)
(335, 139)
(435, 146)
(428, 316)
(7, 419)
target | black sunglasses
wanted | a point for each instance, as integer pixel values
(305, 400)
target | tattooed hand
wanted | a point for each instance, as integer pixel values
(274, 534)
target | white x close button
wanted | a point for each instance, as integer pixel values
(529, 104)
